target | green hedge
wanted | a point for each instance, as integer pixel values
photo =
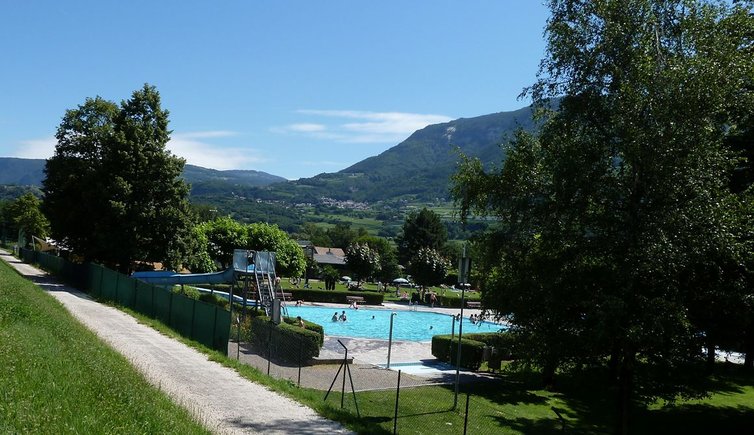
(502, 342)
(445, 349)
(452, 300)
(310, 326)
(336, 297)
(285, 342)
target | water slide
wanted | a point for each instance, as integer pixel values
(173, 278)
(244, 263)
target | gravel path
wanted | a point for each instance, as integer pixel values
(216, 395)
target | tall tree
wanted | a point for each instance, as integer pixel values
(422, 229)
(290, 257)
(24, 213)
(362, 260)
(427, 268)
(315, 234)
(618, 226)
(342, 235)
(113, 192)
(388, 269)
(223, 235)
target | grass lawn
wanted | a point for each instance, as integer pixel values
(57, 377)
(92, 389)
(515, 404)
(389, 296)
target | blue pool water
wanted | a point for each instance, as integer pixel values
(407, 325)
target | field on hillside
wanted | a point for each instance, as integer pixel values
(58, 377)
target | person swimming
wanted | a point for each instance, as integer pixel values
(335, 317)
(343, 316)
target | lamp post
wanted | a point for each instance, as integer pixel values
(390, 339)
(464, 267)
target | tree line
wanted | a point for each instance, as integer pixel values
(624, 225)
(114, 194)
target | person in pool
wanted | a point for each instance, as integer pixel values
(343, 316)
(335, 317)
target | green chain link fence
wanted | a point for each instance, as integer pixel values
(206, 323)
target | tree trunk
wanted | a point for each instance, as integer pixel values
(614, 363)
(625, 387)
(710, 364)
(749, 348)
(548, 374)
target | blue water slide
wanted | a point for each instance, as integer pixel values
(173, 278)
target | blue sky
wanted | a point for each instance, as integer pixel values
(293, 88)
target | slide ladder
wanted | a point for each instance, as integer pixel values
(266, 281)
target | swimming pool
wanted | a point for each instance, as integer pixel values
(407, 325)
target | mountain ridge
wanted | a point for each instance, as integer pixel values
(30, 172)
(417, 169)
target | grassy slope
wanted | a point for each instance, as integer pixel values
(58, 377)
(514, 405)
(517, 404)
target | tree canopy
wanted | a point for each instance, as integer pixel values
(618, 230)
(362, 260)
(24, 214)
(218, 238)
(289, 256)
(113, 192)
(388, 269)
(422, 229)
(428, 267)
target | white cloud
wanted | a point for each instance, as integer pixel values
(192, 146)
(198, 152)
(307, 127)
(43, 148)
(376, 127)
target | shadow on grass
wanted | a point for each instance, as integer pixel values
(696, 419)
(589, 408)
(418, 414)
(527, 426)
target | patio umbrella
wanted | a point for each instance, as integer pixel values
(345, 278)
(400, 281)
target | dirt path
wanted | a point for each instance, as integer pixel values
(216, 395)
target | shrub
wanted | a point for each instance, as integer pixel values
(284, 342)
(502, 342)
(215, 299)
(337, 297)
(189, 292)
(445, 349)
(453, 300)
(310, 326)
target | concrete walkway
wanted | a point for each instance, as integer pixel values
(216, 395)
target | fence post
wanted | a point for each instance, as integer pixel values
(269, 351)
(300, 345)
(170, 308)
(214, 330)
(101, 278)
(466, 416)
(193, 317)
(117, 284)
(458, 357)
(154, 310)
(397, 396)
